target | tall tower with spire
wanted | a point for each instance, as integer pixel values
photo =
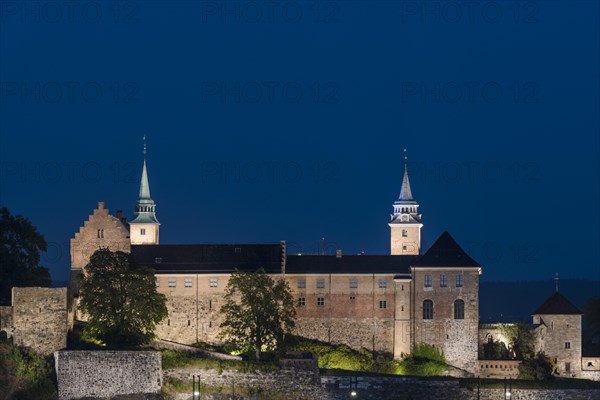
(405, 223)
(144, 228)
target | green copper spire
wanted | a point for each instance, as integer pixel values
(145, 208)
(144, 185)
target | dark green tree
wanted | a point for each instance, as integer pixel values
(120, 300)
(495, 350)
(20, 247)
(258, 311)
(522, 339)
(538, 367)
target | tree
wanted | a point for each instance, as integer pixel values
(258, 311)
(20, 247)
(522, 339)
(495, 350)
(538, 367)
(120, 300)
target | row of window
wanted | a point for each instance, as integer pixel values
(458, 280)
(459, 309)
(321, 302)
(187, 282)
(352, 283)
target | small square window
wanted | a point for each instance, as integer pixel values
(320, 301)
(353, 283)
(187, 282)
(238, 250)
(404, 233)
(172, 282)
(428, 281)
(214, 282)
(301, 283)
(459, 281)
(443, 280)
(157, 260)
(382, 303)
(567, 345)
(320, 283)
(302, 302)
(142, 231)
(382, 283)
(352, 297)
(404, 248)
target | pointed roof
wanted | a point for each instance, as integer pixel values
(144, 185)
(405, 193)
(445, 252)
(557, 304)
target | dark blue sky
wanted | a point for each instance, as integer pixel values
(287, 120)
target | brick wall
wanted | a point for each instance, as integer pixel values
(100, 230)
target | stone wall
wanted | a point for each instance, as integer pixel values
(6, 324)
(294, 384)
(499, 368)
(40, 318)
(560, 338)
(458, 338)
(105, 374)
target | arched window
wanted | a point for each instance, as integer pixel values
(459, 309)
(427, 309)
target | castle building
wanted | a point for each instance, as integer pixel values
(380, 302)
(558, 323)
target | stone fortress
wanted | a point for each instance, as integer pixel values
(380, 302)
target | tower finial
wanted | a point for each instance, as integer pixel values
(405, 160)
(144, 145)
(556, 281)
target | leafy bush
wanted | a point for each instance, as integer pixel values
(425, 360)
(343, 357)
(539, 368)
(495, 350)
(34, 371)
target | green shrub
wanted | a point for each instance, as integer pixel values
(425, 360)
(34, 371)
(538, 368)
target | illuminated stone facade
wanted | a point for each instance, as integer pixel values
(385, 303)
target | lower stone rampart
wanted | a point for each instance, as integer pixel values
(296, 385)
(106, 374)
(293, 384)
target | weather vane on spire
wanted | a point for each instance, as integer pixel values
(405, 160)
(144, 145)
(556, 281)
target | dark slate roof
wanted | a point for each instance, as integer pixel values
(445, 252)
(351, 264)
(557, 304)
(209, 258)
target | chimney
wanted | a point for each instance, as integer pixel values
(338, 253)
(100, 205)
(120, 215)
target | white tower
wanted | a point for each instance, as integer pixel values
(405, 223)
(145, 227)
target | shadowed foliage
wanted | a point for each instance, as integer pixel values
(120, 300)
(20, 247)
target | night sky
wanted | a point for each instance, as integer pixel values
(288, 120)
